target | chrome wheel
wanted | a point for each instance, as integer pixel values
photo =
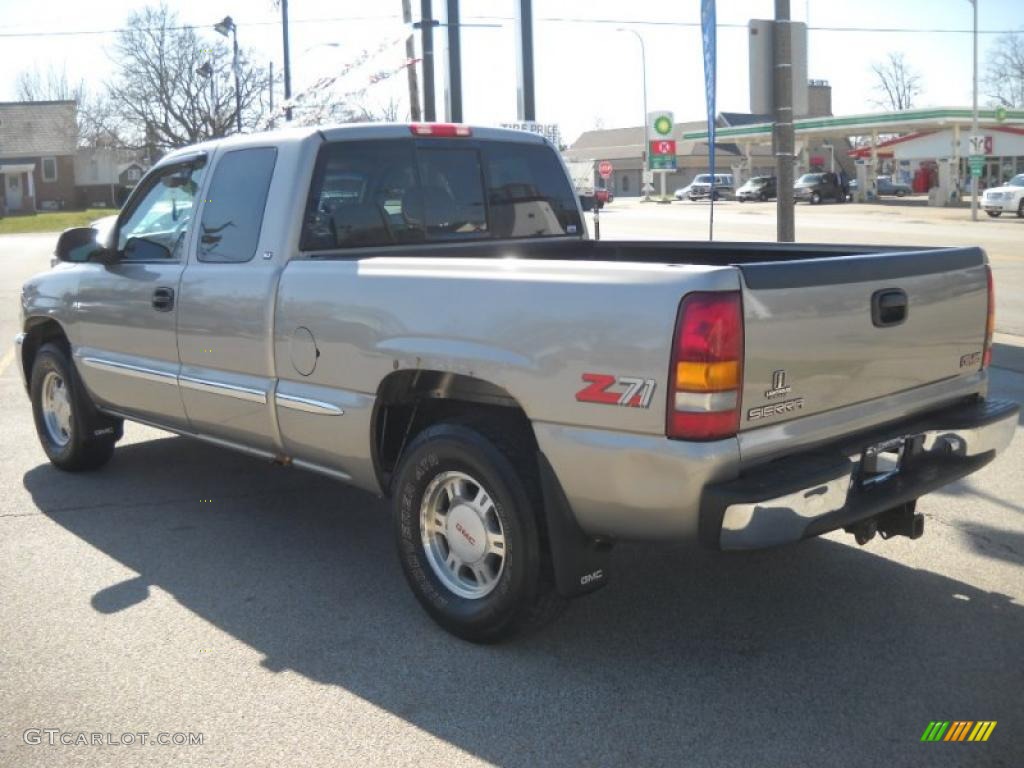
(462, 535)
(56, 407)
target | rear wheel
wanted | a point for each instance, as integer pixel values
(762, 197)
(901, 193)
(466, 515)
(1020, 209)
(997, 214)
(72, 434)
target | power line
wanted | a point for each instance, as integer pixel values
(71, 33)
(727, 25)
(554, 19)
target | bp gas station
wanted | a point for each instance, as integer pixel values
(935, 150)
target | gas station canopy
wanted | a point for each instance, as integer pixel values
(933, 118)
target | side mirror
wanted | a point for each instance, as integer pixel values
(77, 245)
(141, 249)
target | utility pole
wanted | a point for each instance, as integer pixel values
(782, 133)
(974, 118)
(526, 109)
(287, 61)
(410, 56)
(426, 25)
(454, 63)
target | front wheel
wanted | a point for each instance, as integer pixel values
(815, 198)
(1020, 209)
(997, 214)
(466, 520)
(72, 435)
(901, 193)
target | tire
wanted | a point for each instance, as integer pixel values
(73, 435)
(901, 193)
(742, 199)
(509, 588)
(815, 198)
(997, 214)
(762, 197)
(1020, 209)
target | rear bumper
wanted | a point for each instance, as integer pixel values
(810, 494)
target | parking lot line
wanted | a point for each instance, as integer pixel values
(6, 360)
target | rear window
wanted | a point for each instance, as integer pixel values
(527, 192)
(374, 193)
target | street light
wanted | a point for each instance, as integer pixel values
(974, 118)
(647, 138)
(223, 28)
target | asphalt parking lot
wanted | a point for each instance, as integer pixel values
(184, 589)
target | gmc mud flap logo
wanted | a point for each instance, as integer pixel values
(764, 411)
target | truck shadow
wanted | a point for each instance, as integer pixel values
(752, 659)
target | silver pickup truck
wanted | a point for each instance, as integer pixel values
(418, 310)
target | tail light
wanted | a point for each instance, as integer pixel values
(990, 323)
(440, 129)
(707, 367)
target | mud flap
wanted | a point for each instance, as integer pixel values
(580, 563)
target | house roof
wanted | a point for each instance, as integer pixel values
(37, 128)
(626, 143)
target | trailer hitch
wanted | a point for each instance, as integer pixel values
(902, 520)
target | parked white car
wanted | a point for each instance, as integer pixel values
(1008, 198)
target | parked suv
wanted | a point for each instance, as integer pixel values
(700, 189)
(1008, 198)
(884, 185)
(815, 187)
(757, 188)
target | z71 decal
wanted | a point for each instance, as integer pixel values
(627, 391)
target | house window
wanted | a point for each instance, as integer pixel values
(49, 169)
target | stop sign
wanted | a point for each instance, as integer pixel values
(605, 169)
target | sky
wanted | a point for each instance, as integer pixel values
(588, 72)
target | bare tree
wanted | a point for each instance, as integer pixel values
(51, 85)
(94, 115)
(174, 88)
(897, 85)
(1004, 73)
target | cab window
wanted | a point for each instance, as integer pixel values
(157, 226)
(233, 211)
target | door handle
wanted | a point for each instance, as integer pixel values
(163, 299)
(888, 307)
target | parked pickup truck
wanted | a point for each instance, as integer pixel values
(417, 310)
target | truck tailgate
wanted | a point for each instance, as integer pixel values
(825, 333)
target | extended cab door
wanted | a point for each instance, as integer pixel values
(226, 306)
(126, 311)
